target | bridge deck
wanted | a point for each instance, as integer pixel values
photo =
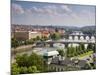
(69, 41)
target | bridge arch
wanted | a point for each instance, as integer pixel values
(76, 38)
(81, 37)
(92, 38)
(70, 38)
(87, 38)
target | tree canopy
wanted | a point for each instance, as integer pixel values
(28, 64)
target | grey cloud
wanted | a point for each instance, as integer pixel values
(50, 10)
(17, 9)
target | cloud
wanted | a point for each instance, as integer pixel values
(50, 10)
(17, 9)
(43, 10)
(87, 15)
(37, 10)
(66, 8)
(53, 14)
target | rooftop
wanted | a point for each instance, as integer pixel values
(67, 61)
(51, 53)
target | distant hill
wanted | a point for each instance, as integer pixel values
(85, 29)
(89, 29)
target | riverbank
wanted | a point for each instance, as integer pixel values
(21, 49)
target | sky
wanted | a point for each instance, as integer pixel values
(33, 13)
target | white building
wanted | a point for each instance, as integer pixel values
(59, 45)
(48, 56)
(51, 53)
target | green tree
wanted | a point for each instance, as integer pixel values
(55, 36)
(44, 38)
(30, 60)
(32, 69)
(15, 70)
(23, 70)
(23, 60)
(38, 38)
(14, 43)
(28, 64)
(30, 41)
(71, 51)
(90, 46)
(82, 46)
(77, 51)
(67, 52)
(56, 30)
(37, 60)
(94, 48)
(61, 52)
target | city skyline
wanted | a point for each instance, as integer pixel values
(36, 13)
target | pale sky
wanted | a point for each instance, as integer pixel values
(32, 13)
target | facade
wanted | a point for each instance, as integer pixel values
(45, 34)
(34, 34)
(26, 35)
